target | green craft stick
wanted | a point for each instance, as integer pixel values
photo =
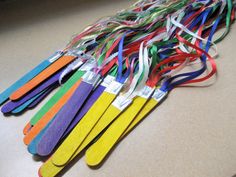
(56, 97)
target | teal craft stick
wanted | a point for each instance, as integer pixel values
(4, 96)
(27, 103)
(32, 147)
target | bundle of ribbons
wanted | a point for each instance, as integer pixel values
(113, 74)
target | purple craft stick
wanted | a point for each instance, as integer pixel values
(63, 119)
(41, 97)
(89, 103)
(14, 104)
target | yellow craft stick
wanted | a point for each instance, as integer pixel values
(107, 118)
(98, 151)
(157, 97)
(48, 169)
(67, 149)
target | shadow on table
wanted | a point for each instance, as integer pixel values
(15, 13)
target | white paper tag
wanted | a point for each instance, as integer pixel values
(146, 92)
(90, 64)
(75, 52)
(107, 81)
(114, 87)
(159, 95)
(122, 102)
(91, 78)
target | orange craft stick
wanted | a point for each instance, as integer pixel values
(49, 115)
(27, 128)
(45, 74)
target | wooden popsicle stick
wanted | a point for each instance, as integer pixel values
(83, 128)
(48, 169)
(45, 74)
(49, 115)
(27, 128)
(98, 151)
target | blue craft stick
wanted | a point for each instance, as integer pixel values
(32, 147)
(30, 75)
(41, 97)
(27, 103)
